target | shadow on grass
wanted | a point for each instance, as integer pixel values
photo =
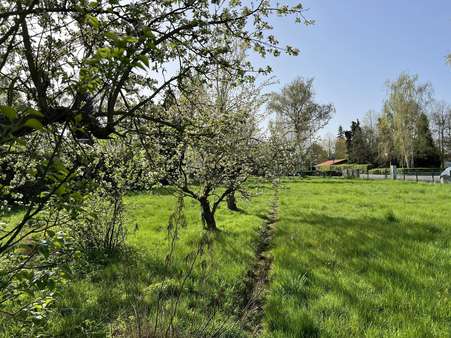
(264, 217)
(364, 261)
(112, 290)
(164, 191)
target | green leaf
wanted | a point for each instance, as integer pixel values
(9, 112)
(140, 65)
(144, 59)
(61, 190)
(78, 118)
(59, 166)
(131, 39)
(58, 244)
(104, 52)
(117, 52)
(112, 35)
(148, 33)
(92, 21)
(33, 123)
(65, 268)
(34, 112)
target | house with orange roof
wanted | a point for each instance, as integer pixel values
(326, 164)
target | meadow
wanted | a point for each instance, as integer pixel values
(346, 258)
(361, 259)
(168, 283)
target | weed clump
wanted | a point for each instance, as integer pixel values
(390, 217)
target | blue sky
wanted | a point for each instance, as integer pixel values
(356, 46)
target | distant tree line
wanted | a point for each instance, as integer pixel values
(412, 130)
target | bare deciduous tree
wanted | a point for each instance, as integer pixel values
(406, 101)
(441, 121)
(298, 113)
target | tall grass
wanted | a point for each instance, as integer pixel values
(349, 259)
(361, 259)
(181, 284)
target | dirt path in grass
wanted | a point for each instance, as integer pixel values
(257, 277)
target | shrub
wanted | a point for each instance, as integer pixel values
(32, 276)
(341, 167)
(101, 227)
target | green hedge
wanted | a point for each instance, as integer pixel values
(380, 171)
(341, 167)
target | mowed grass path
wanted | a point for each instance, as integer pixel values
(361, 259)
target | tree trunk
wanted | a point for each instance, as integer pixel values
(406, 159)
(208, 217)
(231, 202)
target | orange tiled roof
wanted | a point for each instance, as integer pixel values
(330, 162)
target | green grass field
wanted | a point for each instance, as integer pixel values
(121, 297)
(350, 259)
(361, 259)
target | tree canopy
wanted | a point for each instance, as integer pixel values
(298, 114)
(94, 64)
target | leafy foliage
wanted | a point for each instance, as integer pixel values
(299, 116)
(406, 102)
(93, 64)
(32, 277)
